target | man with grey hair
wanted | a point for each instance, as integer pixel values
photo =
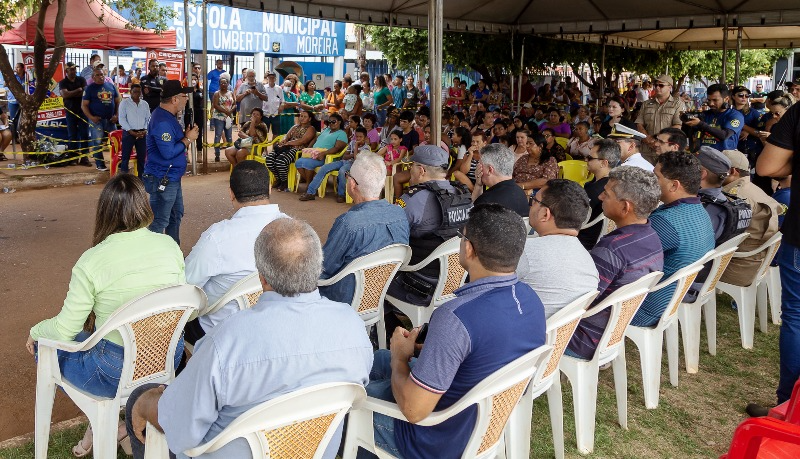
(557, 212)
(494, 171)
(249, 95)
(370, 225)
(626, 254)
(290, 339)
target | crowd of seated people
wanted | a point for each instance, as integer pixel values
(491, 170)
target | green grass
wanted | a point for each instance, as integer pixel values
(694, 420)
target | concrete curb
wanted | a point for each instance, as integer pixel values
(57, 427)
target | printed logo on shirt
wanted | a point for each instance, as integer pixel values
(105, 96)
(166, 137)
(735, 123)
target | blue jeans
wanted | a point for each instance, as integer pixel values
(167, 206)
(128, 143)
(136, 445)
(341, 166)
(96, 134)
(789, 342)
(77, 132)
(308, 163)
(97, 370)
(219, 129)
(380, 113)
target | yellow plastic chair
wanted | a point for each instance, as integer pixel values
(574, 170)
(328, 159)
(562, 141)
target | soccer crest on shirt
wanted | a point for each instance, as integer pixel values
(166, 137)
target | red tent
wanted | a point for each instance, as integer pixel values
(83, 28)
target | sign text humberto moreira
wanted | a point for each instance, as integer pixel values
(232, 29)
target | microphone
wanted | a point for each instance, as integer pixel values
(189, 114)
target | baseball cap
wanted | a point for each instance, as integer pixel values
(172, 88)
(713, 160)
(740, 88)
(71, 65)
(664, 78)
(270, 73)
(430, 155)
(527, 106)
(737, 159)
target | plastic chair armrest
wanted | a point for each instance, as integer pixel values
(155, 446)
(68, 346)
(748, 436)
(332, 280)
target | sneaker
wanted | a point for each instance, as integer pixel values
(307, 197)
(85, 162)
(216, 159)
(340, 199)
(754, 410)
(102, 168)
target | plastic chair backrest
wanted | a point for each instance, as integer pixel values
(451, 274)
(299, 424)
(560, 327)
(562, 141)
(373, 273)
(719, 260)
(574, 170)
(682, 279)
(771, 248)
(246, 292)
(623, 303)
(496, 397)
(151, 326)
(115, 142)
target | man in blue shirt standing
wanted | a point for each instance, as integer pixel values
(721, 124)
(213, 78)
(166, 159)
(370, 225)
(100, 105)
(493, 320)
(398, 92)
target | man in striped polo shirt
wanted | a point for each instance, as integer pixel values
(624, 255)
(682, 224)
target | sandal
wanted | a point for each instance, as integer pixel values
(81, 451)
(124, 440)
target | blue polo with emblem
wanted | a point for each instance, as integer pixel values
(164, 146)
(731, 119)
(102, 99)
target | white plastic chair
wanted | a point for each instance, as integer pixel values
(560, 327)
(583, 374)
(451, 277)
(299, 424)
(246, 293)
(770, 287)
(745, 296)
(608, 225)
(495, 397)
(650, 340)
(151, 326)
(706, 302)
(373, 274)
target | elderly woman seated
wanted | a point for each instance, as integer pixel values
(252, 132)
(532, 171)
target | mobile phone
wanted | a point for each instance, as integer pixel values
(423, 333)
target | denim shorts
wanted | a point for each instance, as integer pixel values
(97, 370)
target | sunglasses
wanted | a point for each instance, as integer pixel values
(348, 176)
(461, 235)
(661, 85)
(742, 95)
(532, 198)
(591, 158)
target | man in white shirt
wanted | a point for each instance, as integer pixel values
(629, 148)
(272, 106)
(224, 253)
(557, 212)
(134, 116)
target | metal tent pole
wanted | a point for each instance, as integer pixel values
(724, 79)
(521, 70)
(602, 91)
(188, 70)
(435, 26)
(204, 67)
(738, 56)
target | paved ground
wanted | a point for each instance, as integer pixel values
(42, 234)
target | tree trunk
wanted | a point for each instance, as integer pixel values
(26, 130)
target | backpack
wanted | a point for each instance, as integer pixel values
(455, 206)
(738, 214)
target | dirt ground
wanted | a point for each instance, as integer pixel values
(42, 235)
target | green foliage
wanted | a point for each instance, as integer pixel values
(698, 64)
(142, 12)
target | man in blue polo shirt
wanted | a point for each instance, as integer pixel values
(100, 105)
(166, 159)
(721, 124)
(495, 319)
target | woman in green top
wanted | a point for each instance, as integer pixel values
(126, 261)
(310, 99)
(383, 99)
(290, 103)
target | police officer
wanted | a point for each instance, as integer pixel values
(719, 126)
(166, 159)
(151, 86)
(423, 203)
(714, 169)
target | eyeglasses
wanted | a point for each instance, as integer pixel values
(591, 158)
(742, 95)
(547, 136)
(661, 85)
(348, 176)
(532, 198)
(462, 235)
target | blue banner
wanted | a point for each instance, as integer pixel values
(244, 31)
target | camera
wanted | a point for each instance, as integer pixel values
(686, 116)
